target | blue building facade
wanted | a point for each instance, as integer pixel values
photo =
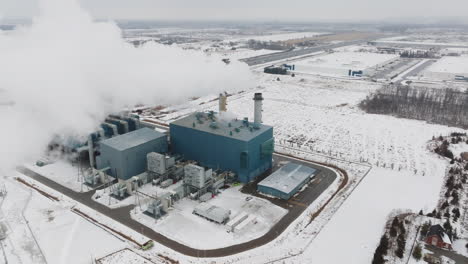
(125, 154)
(236, 145)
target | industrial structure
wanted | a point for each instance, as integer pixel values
(212, 213)
(125, 155)
(206, 151)
(287, 181)
(355, 73)
(220, 143)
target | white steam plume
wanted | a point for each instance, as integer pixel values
(65, 73)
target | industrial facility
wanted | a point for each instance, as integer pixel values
(240, 146)
(287, 181)
(125, 155)
(203, 153)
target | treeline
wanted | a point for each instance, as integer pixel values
(440, 106)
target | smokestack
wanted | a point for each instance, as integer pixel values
(91, 151)
(258, 98)
(222, 103)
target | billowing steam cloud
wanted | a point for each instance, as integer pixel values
(65, 73)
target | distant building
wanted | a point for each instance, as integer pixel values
(125, 154)
(228, 144)
(276, 70)
(438, 237)
(287, 181)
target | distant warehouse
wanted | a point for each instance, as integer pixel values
(287, 181)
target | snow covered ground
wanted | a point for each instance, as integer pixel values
(339, 63)
(125, 256)
(195, 231)
(317, 118)
(320, 115)
(460, 247)
(436, 39)
(280, 37)
(242, 53)
(63, 172)
(43, 231)
(447, 67)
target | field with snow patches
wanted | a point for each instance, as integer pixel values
(339, 63)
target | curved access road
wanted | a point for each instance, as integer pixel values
(322, 181)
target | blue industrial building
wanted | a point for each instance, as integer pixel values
(237, 145)
(287, 181)
(125, 154)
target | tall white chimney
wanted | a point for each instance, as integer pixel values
(222, 103)
(258, 98)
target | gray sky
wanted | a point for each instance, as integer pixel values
(300, 10)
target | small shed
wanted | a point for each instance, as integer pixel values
(437, 236)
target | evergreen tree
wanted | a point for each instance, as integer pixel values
(417, 253)
(393, 231)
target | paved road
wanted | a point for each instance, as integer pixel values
(294, 53)
(122, 215)
(417, 69)
(383, 74)
(459, 259)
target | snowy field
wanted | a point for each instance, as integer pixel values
(43, 231)
(339, 63)
(125, 256)
(244, 53)
(437, 39)
(447, 67)
(192, 230)
(280, 37)
(62, 172)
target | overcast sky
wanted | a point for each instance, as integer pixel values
(290, 10)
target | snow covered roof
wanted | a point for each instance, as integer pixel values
(438, 230)
(132, 139)
(212, 212)
(214, 124)
(288, 177)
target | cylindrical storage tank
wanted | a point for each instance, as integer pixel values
(258, 98)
